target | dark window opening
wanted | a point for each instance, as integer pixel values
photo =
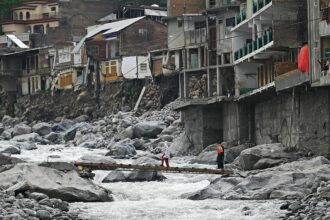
(230, 22)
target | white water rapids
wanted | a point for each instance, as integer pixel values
(156, 200)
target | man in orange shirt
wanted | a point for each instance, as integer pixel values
(221, 155)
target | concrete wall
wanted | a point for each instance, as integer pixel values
(203, 125)
(302, 122)
(179, 7)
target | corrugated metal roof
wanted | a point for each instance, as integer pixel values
(109, 28)
(120, 25)
(152, 12)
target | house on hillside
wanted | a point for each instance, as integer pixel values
(24, 71)
(121, 47)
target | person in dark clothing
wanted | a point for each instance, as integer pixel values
(221, 156)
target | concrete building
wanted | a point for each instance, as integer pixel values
(319, 42)
(24, 71)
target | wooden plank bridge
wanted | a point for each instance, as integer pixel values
(115, 166)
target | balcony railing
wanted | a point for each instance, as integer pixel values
(256, 6)
(212, 4)
(36, 16)
(10, 72)
(252, 46)
(25, 37)
(196, 36)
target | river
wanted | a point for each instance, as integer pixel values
(157, 200)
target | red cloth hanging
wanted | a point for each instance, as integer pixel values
(303, 59)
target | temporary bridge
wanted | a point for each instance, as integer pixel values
(115, 166)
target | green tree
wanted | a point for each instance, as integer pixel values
(6, 8)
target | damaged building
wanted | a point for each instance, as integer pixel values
(245, 70)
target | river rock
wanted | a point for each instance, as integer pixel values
(148, 129)
(181, 146)
(42, 128)
(145, 160)
(133, 176)
(139, 144)
(6, 135)
(43, 215)
(33, 137)
(21, 129)
(81, 118)
(9, 121)
(38, 196)
(2, 128)
(65, 185)
(55, 138)
(250, 157)
(115, 176)
(127, 133)
(288, 181)
(207, 157)
(7, 160)
(122, 149)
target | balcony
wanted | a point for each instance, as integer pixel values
(197, 36)
(216, 4)
(257, 8)
(10, 72)
(27, 17)
(291, 79)
(254, 47)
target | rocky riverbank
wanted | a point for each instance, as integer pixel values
(33, 206)
(264, 172)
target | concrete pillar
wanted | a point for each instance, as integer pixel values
(180, 86)
(185, 95)
(219, 82)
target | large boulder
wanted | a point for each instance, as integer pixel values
(42, 128)
(148, 129)
(6, 160)
(206, 157)
(126, 133)
(55, 138)
(33, 137)
(123, 149)
(10, 147)
(288, 181)
(53, 181)
(133, 176)
(9, 121)
(182, 146)
(250, 157)
(70, 134)
(21, 129)
(233, 152)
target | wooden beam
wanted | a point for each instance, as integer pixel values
(114, 166)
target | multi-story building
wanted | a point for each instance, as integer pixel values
(319, 41)
(35, 17)
(24, 71)
(266, 40)
(121, 47)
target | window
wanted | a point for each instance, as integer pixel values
(53, 9)
(212, 3)
(93, 50)
(180, 23)
(143, 67)
(143, 32)
(200, 24)
(27, 15)
(230, 22)
(21, 16)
